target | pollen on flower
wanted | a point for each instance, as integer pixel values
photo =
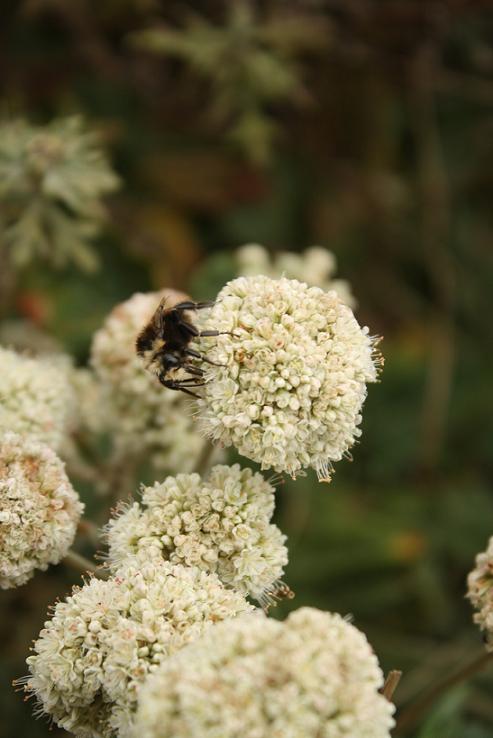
(142, 416)
(101, 643)
(36, 398)
(313, 675)
(292, 379)
(220, 524)
(39, 509)
(480, 592)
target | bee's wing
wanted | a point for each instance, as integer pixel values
(159, 315)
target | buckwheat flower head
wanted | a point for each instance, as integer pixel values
(293, 378)
(101, 643)
(316, 266)
(143, 417)
(39, 509)
(92, 413)
(312, 676)
(219, 524)
(36, 398)
(480, 592)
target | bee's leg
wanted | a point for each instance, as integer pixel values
(186, 380)
(192, 381)
(189, 305)
(195, 354)
(180, 388)
(190, 329)
(212, 334)
(182, 385)
(194, 332)
(191, 369)
(198, 355)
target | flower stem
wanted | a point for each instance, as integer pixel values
(391, 683)
(81, 564)
(88, 529)
(204, 460)
(411, 714)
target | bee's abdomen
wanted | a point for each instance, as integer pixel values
(146, 340)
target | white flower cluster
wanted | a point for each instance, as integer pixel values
(219, 524)
(36, 398)
(92, 413)
(315, 266)
(313, 676)
(480, 592)
(143, 417)
(103, 641)
(293, 378)
(39, 510)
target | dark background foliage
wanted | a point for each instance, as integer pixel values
(362, 125)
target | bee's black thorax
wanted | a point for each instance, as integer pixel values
(146, 339)
(164, 344)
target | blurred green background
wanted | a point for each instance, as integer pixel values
(364, 126)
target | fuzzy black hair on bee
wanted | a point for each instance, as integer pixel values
(165, 345)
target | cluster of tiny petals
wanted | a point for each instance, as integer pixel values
(219, 524)
(315, 266)
(480, 592)
(142, 416)
(36, 398)
(292, 378)
(102, 642)
(39, 509)
(312, 676)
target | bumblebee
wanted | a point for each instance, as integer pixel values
(164, 345)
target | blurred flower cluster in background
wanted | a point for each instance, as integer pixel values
(149, 145)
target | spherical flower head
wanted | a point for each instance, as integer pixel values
(316, 266)
(91, 415)
(220, 524)
(293, 374)
(312, 676)
(480, 592)
(102, 642)
(36, 398)
(144, 418)
(39, 510)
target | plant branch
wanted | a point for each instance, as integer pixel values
(89, 530)
(83, 565)
(411, 714)
(204, 460)
(391, 683)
